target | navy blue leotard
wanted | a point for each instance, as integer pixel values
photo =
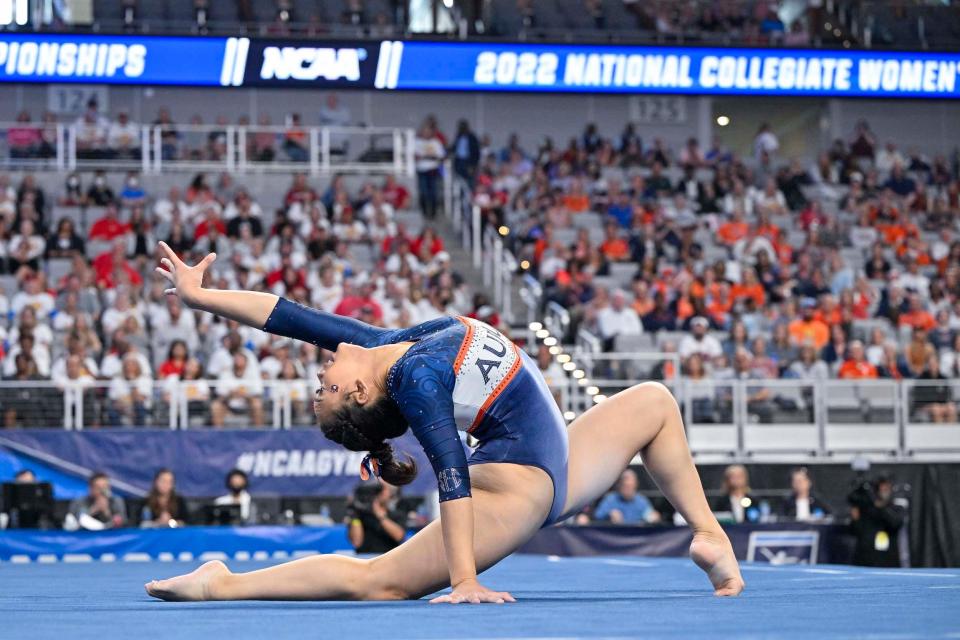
(460, 374)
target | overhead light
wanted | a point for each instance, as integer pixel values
(569, 415)
(578, 374)
(583, 382)
(550, 341)
(535, 326)
(503, 230)
(542, 333)
(723, 121)
(555, 350)
(569, 366)
(563, 358)
(597, 399)
(592, 391)
(524, 264)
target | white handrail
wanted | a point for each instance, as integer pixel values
(320, 158)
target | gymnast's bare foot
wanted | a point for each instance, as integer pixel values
(188, 587)
(713, 553)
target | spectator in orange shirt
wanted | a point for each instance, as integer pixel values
(767, 229)
(733, 230)
(916, 249)
(856, 367)
(829, 313)
(614, 246)
(916, 315)
(109, 226)
(642, 300)
(749, 287)
(808, 328)
(576, 201)
(720, 305)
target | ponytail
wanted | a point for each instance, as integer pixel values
(366, 428)
(396, 472)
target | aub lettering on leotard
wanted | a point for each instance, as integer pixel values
(486, 364)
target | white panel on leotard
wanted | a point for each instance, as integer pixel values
(487, 362)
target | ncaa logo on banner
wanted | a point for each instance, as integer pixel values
(783, 547)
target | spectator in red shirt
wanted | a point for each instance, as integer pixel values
(23, 139)
(355, 299)
(390, 243)
(212, 220)
(176, 360)
(428, 238)
(285, 279)
(299, 191)
(108, 263)
(395, 193)
(109, 226)
(483, 311)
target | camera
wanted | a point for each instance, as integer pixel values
(864, 492)
(363, 498)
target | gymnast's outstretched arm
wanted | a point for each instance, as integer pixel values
(261, 310)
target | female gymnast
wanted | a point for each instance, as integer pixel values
(529, 470)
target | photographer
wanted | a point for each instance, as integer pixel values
(374, 519)
(876, 522)
(99, 509)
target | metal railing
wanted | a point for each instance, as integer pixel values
(484, 243)
(751, 417)
(727, 417)
(170, 403)
(232, 148)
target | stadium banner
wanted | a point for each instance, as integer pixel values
(475, 66)
(832, 543)
(788, 543)
(299, 462)
(166, 544)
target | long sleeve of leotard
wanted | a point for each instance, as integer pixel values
(323, 329)
(427, 404)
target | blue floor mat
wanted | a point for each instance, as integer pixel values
(558, 598)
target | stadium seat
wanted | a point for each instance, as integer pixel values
(623, 272)
(57, 268)
(634, 343)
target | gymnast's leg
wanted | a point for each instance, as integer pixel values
(646, 418)
(510, 503)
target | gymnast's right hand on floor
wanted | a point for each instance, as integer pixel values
(472, 592)
(187, 281)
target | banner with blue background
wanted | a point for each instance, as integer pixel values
(290, 463)
(476, 66)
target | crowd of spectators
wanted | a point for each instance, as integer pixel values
(100, 136)
(750, 267)
(87, 311)
(745, 22)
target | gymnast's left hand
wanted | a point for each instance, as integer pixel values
(472, 592)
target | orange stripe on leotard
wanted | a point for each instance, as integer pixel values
(498, 389)
(464, 346)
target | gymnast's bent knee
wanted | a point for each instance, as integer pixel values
(378, 582)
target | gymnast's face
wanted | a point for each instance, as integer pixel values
(345, 377)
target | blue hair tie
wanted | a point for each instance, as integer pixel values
(369, 467)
